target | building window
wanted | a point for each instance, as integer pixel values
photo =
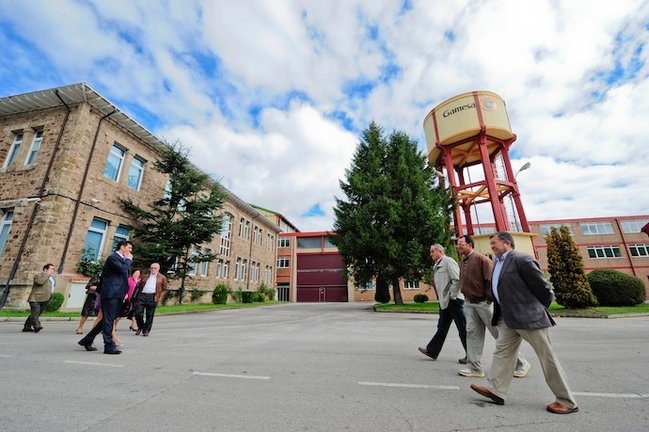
(411, 285)
(121, 233)
(95, 237)
(283, 242)
(5, 227)
(633, 226)
(309, 242)
(257, 235)
(135, 173)
(219, 267)
(268, 274)
(114, 162)
(237, 269)
(226, 267)
(191, 264)
(14, 149)
(599, 252)
(283, 262)
(546, 228)
(244, 270)
(639, 250)
(328, 243)
(244, 228)
(205, 265)
(594, 228)
(34, 148)
(365, 287)
(226, 234)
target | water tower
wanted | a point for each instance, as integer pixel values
(473, 129)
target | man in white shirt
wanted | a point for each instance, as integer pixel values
(152, 285)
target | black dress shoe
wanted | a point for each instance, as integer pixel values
(28, 330)
(113, 351)
(37, 329)
(88, 347)
(462, 360)
(146, 333)
(137, 332)
(426, 353)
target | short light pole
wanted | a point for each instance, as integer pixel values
(525, 166)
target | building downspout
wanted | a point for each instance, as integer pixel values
(81, 188)
(41, 190)
(626, 246)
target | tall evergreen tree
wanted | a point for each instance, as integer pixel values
(395, 208)
(172, 227)
(566, 268)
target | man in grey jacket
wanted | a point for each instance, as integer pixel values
(446, 281)
(522, 296)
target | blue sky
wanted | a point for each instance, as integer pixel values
(272, 96)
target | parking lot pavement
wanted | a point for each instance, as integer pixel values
(309, 367)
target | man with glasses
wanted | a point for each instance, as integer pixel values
(151, 287)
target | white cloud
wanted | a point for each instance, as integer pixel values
(251, 86)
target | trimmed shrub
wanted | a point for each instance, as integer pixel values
(55, 302)
(268, 292)
(614, 288)
(246, 296)
(382, 296)
(220, 294)
(258, 297)
(420, 298)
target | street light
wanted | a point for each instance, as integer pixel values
(525, 166)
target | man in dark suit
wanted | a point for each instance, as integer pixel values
(114, 287)
(522, 296)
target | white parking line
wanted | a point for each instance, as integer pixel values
(94, 363)
(424, 386)
(613, 395)
(257, 377)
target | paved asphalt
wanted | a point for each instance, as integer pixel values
(309, 367)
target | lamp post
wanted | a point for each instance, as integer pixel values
(525, 166)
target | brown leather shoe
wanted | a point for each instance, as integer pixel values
(557, 408)
(426, 353)
(484, 391)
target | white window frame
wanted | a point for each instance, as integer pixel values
(119, 153)
(283, 242)
(283, 262)
(237, 268)
(34, 147)
(118, 236)
(140, 172)
(219, 266)
(411, 285)
(633, 225)
(545, 229)
(5, 228)
(596, 228)
(226, 269)
(226, 234)
(639, 250)
(102, 232)
(14, 149)
(603, 252)
(204, 266)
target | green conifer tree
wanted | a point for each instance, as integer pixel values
(395, 208)
(566, 269)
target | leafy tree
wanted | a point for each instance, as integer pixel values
(566, 269)
(185, 217)
(395, 208)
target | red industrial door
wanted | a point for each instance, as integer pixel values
(320, 278)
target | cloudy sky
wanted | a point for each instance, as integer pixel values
(271, 96)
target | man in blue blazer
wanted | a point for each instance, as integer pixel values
(522, 296)
(114, 287)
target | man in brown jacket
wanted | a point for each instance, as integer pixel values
(39, 297)
(475, 284)
(150, 291)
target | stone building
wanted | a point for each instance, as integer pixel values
(67, 157)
